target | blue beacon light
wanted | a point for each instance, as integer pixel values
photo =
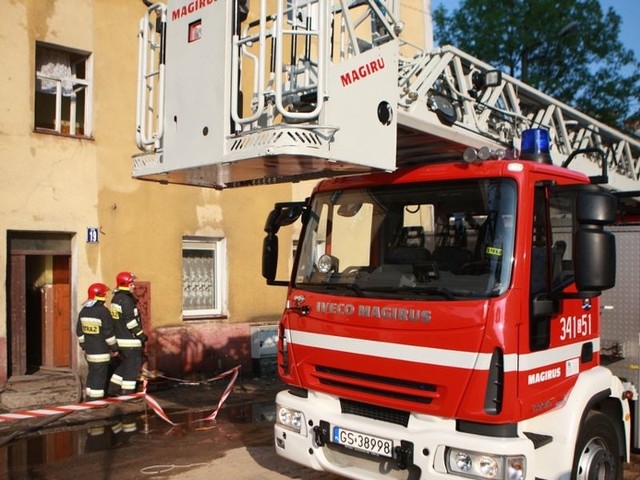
(534, 146)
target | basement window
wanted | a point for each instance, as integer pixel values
(203, 277)
(63, 91)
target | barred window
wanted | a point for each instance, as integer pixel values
(203, 277)
(63, 91)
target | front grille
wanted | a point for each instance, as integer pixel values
(374, 412)
(398, 389)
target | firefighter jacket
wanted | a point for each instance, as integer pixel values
(126, 320)
(95, 332)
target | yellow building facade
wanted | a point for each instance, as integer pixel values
(72, 215)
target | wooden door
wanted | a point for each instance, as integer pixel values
(62, 320)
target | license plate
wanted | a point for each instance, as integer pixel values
(363, 442)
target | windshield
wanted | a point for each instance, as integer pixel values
(450, 240)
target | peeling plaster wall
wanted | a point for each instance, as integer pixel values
(50, 183)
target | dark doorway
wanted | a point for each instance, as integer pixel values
(38, 302)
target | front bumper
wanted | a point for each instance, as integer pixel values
(419, 447)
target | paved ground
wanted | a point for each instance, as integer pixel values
(632, 470)
(256, 455)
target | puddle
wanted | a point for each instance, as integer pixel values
(22, 454)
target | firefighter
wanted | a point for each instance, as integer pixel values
(131, 337)
(96, 336)
(125, 428)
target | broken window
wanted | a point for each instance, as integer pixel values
(63, 91)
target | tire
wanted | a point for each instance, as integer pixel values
(597, 455)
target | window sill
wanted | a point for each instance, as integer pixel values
(205, 318)
(58, 134)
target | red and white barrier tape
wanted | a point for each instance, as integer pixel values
(78, 407)
(225, 394)
(152, 402)
(159, 410)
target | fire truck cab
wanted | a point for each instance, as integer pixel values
(442, 322)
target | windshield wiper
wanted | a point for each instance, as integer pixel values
(440, 291)
(445, 292)
(333, 286)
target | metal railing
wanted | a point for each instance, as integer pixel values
(150, 93)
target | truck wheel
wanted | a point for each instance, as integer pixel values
(597, 454)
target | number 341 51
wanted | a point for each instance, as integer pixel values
(574, 326)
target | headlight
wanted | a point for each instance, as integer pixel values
(463, 462)
(489, 467)
(486, 466)
(289, 418)
(327, 264)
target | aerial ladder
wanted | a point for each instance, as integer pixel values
(234, 93)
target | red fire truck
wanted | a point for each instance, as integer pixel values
(442, 321)
(442, 316)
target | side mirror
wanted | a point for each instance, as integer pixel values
(270, 257)
(282, 214)
(595, 262)
(595, 248)
(596, 208)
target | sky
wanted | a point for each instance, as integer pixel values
(629, 11)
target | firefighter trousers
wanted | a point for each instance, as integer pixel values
(96, 380)
(124, 378)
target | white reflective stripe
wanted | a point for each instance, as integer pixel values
(550, 356)
(132, 324)
(117, 379)
(128, 385)
(111, 341)
(81, 339)
(129, 343)
(409, 353)
(98, 357)
(510, 362)
(94, 393)
(437, 356)
(130, 427)
(91, 321)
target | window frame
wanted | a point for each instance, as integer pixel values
(217, 245)
(74, 109)
(547, 267)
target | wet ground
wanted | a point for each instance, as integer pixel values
(235, 446)
(130, 441)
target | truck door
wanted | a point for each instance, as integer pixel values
(564, 318)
